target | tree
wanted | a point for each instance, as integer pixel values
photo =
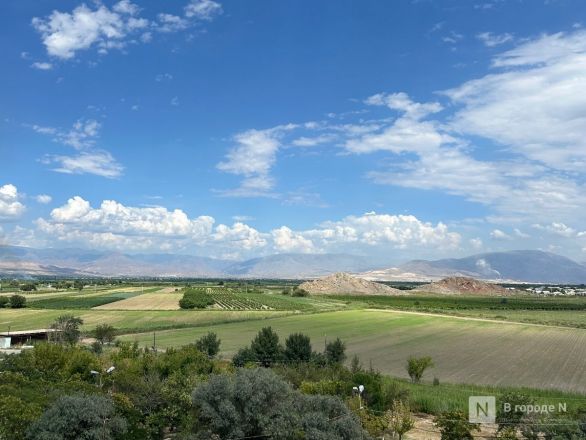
(4, 302)
(454, 425)
(67, 327)
(417, 366)
(298, 348)
(209, 344)
(17, 301)
(401, 421)
(243, 356)
(258, 403)
(28, 287)
(513, 418)
(78, 284)
(105, 333)
(15, 416)
(79, 417)
(335, 352)
(266, 348)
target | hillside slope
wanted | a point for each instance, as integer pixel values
(345, 284)
(463, 286)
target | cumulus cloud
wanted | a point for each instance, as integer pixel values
(286, 240)
(10, 206)
(374, 229)
(115, 225)
(64, 34)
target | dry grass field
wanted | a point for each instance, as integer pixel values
(147, 301)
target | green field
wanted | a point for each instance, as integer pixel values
(465, 351)
(128, 320)
(567, 312)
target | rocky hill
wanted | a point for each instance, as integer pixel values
(463, 286)
(345, 284)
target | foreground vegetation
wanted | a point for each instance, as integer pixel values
(271, 389)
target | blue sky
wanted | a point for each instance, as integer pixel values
(404, 129)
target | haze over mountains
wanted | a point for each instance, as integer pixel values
(522, 266)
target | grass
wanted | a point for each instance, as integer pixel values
(148, 301)
(450, 397)
(128, 321)
(463, 351)
(567, 312)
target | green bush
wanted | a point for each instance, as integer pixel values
(4, 300)
(17, 301)
(195, 299)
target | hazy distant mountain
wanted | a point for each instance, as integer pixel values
(299, 265)
(16, 260)
(526, 266)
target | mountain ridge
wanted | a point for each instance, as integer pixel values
(511, 266)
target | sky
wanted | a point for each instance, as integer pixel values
(241, 128)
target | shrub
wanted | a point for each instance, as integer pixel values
(299, 292)
(298, 348)
(266, 348)
(4, 301)
(454, 425)
(17, 301)
(208, 344)
(417, 366)
(257, 403)
(335, 352)
(105, 333)
(77, 417)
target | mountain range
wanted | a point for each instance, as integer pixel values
(515, 266)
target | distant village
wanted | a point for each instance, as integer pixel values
(558, 290)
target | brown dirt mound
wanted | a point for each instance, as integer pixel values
(345, 284)
(463, 286)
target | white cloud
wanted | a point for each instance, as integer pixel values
(42, 66)
(304, 141)
(239, 236)
(10, 206)
(43, 199)
(64, 34)
(100, 163)
(116, 218)
(252, 158)
(114, 225)
(520, 234)
(491, 40)
(175, 101)
(497, 234)
(535, 107)
(556, 228)
(202, 9)
(379, 229)
(476, 243)
(286, 240)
